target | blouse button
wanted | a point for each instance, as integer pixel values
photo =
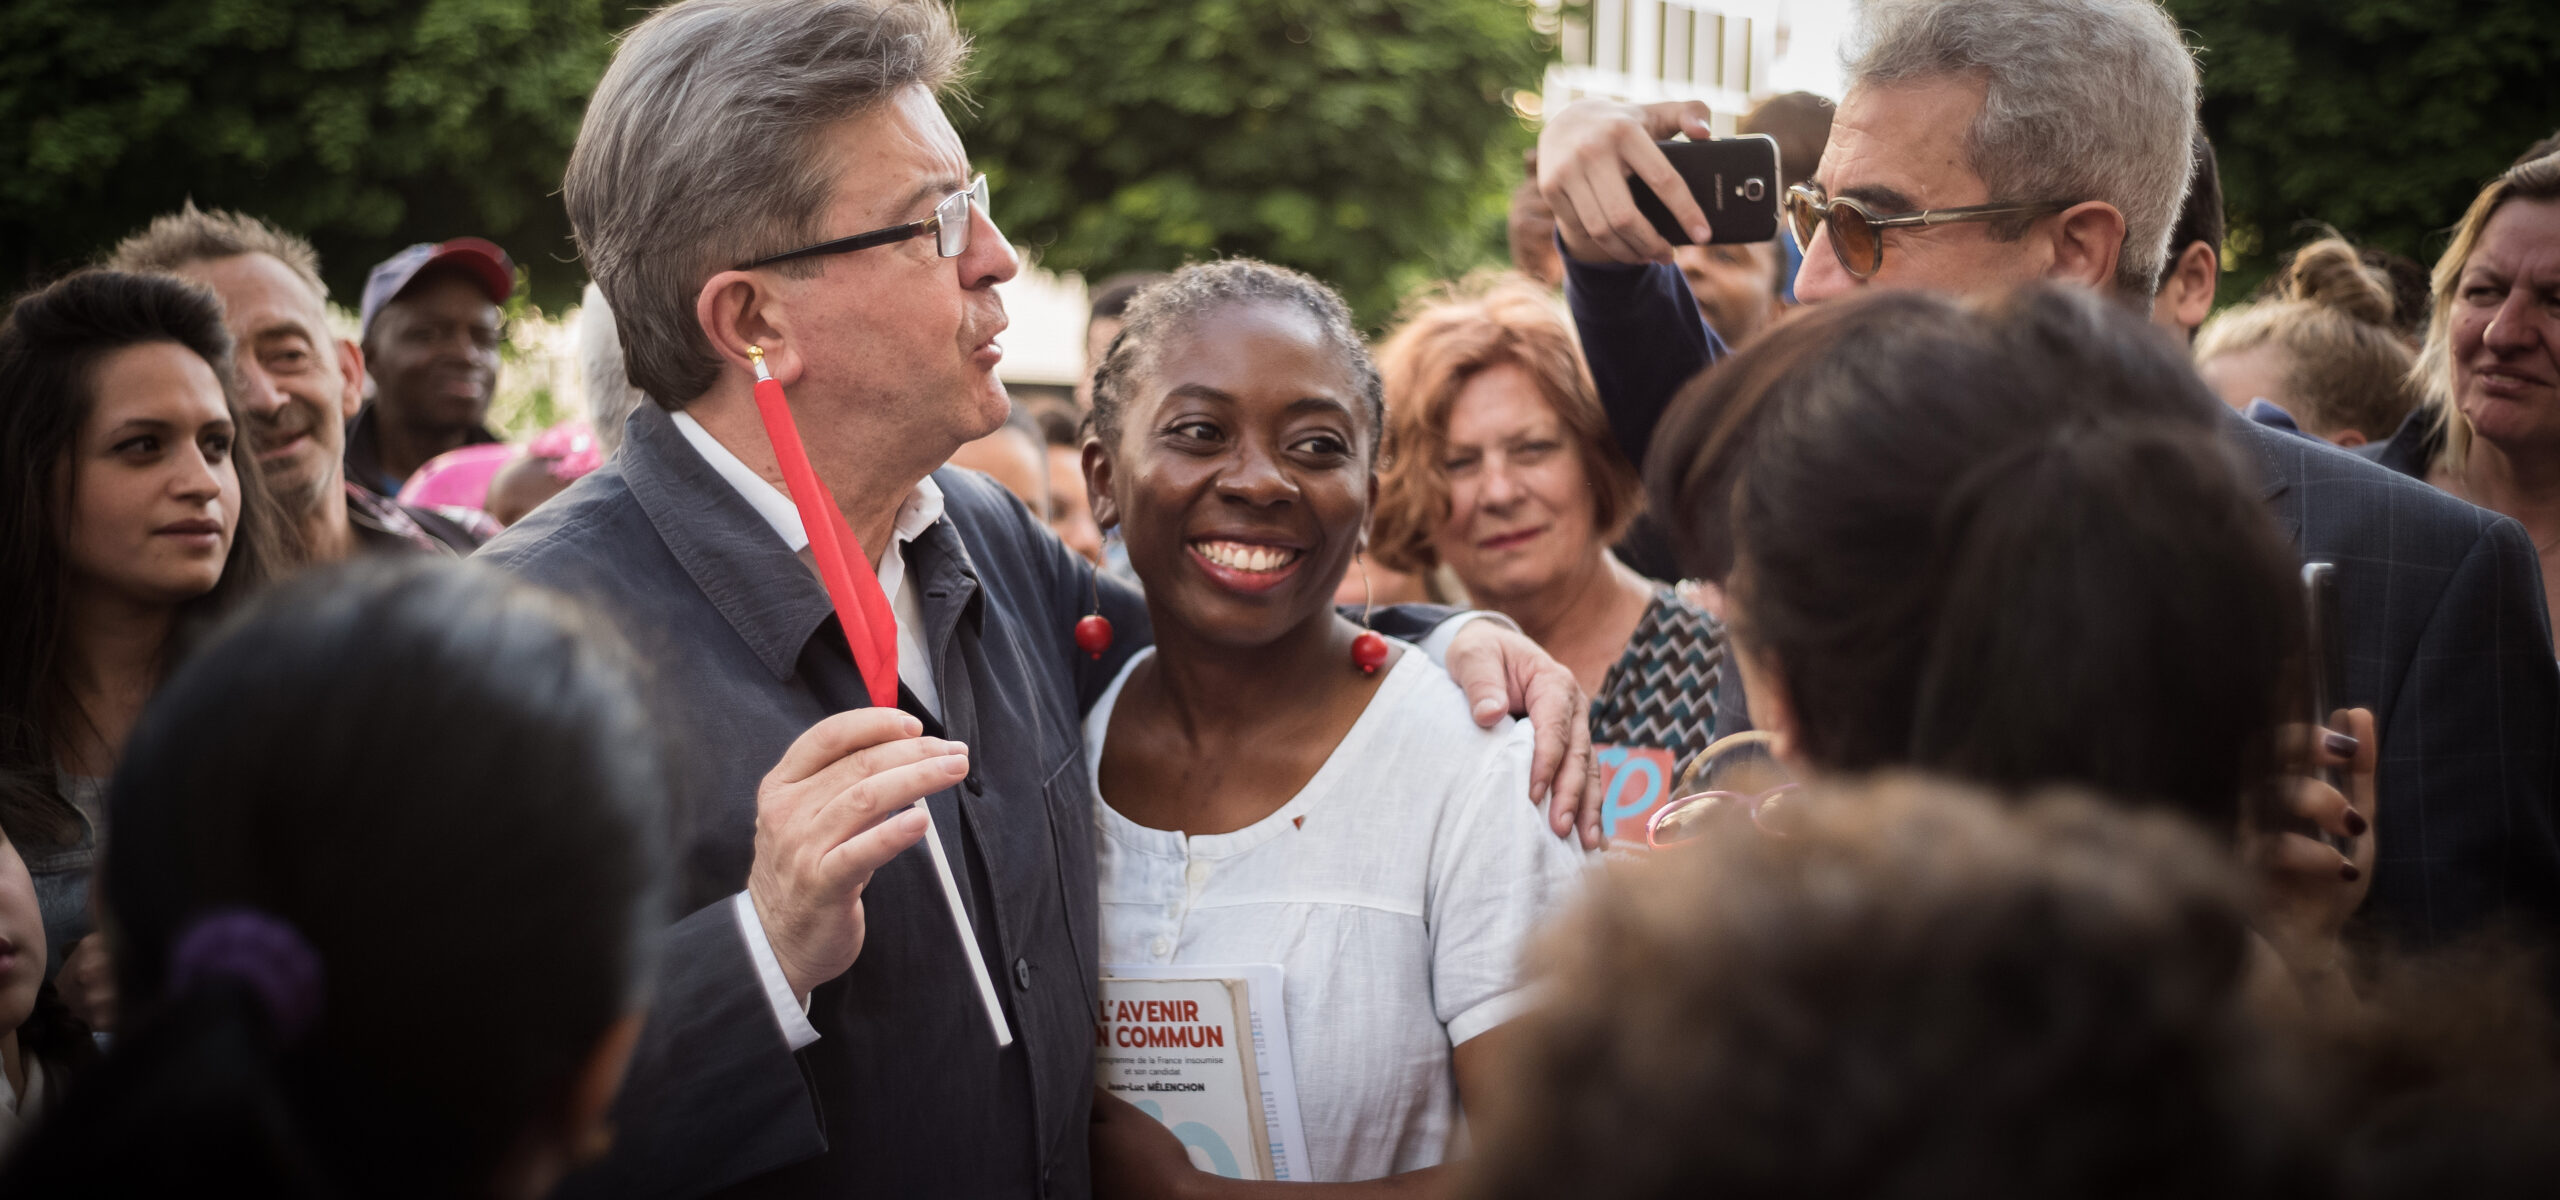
(1160, 947)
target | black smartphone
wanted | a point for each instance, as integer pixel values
(1735, 181)
(2326, 668)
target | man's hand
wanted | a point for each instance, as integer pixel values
(1504, 673)
(1585, 154)
(838, 806)
(87, 983)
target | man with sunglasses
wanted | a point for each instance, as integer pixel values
(1987, 142)
(774, 187)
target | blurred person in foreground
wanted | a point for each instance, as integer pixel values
(1920, 991)
(1922, 530)
(783, 178)
(300, 384)
(431, 323)
(1264, 793)
(2324, 352)
(42, 1046)
(132, 520)
(432, 992)
(1500, 467)
(2489, 430)
(2024, 139)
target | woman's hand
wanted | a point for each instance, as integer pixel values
(2307, 888)
(1135, 1156)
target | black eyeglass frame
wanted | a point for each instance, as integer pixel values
(951, 231)
(1812, 198)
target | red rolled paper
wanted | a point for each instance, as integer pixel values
(870, 626)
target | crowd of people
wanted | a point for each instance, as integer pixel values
(1849, 715)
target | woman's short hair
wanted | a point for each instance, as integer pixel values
(2336, 321)
(2004, 541)
(440, 780)
(1175, 303)
(2535, 179)
(50, 349)
(1919, 991)
(1431, 358)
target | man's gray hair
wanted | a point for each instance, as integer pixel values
(698, 152)
(2086, 100)
(178, 240)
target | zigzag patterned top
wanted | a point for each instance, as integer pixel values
(1660, 694)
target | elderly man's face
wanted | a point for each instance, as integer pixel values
(1899, 148)
(901, 340)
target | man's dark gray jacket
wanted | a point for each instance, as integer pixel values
(904, 1093)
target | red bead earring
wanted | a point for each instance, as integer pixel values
(1368, 651)
(1093, 633)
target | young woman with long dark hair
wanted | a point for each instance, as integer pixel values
(129, 519)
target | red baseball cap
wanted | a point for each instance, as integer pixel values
(482, 259)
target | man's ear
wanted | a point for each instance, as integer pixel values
(1097, 485)
(738, 309)
(2088, 238)
(351, 374)
(2347, 439)
(2186, 296)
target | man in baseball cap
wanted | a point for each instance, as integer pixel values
(430, 331)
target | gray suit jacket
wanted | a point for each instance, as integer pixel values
(2441, 602)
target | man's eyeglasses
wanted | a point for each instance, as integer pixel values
(1733, 783)
(949, 226)
(1857, 231)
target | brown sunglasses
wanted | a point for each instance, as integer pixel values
(1857, 237)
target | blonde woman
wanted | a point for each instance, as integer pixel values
(2489, 431)
(2324, 349)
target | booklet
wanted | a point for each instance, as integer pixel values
(1205, 1049)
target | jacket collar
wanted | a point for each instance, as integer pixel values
(772, 599)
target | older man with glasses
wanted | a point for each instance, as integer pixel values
(773, 188)
(1983, 143)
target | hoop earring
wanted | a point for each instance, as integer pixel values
(1368, 651)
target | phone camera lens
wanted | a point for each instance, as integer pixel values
(1753, 190)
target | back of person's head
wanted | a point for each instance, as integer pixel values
(2335, 321)
(2084, 100)
(51, 348)
(699, 151)
(2533, 180)
(1426, 364)
(383, 896)
(610, 398)
(2000, 540)
(1917, 992)
(1800, 122)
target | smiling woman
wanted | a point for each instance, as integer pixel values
(1260, 796)
(128, 517)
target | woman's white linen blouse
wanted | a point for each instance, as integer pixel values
(1395, 891)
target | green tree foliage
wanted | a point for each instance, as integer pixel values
(364, 124)
(2379, 117)
(1366, 142)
